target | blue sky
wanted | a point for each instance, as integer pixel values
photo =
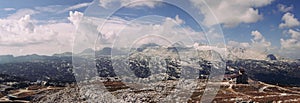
(241, 22)
(268, 26)
(36, 4)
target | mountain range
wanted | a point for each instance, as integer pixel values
(267, 68)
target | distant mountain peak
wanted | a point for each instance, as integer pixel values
(149, 45)
(178, 44)
(271, 57)
(63, 54)
(88, 51)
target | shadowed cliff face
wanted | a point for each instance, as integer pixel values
(273, 72)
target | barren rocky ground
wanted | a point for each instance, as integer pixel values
(115, 91)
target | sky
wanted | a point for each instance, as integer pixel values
(57, 26)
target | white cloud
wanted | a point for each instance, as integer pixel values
(9, 9)
(290, 47)
(77, 6)
(128, 3)
(259, 43)
(75, 17)
(284, 8)
(230, 12)
(44, 44)
(24, 35)
(257, 35)
(294, 34)
(136, 3)
(238, 44)
(123, 33)
(289, 21)
(258, 3)
(22, 32)
(21, 35)
(178, 20)
(61, 8)
(21, 13)
(170, 28)
(257, 49)
(292, 42)
(105, 3)
(50, 8)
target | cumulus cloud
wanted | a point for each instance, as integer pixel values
(230, 12)
(290, 47)
(75, 17)
(257, 49)
(169, 28)
(22, 32)
(129, 3)
(284, 8)
(259, 43)
(289, 21)
(21, 12)
(238, 44)
(121, 33)
(293, 41)
(257, 36)
(40, 42)
(178, 20)
(24, 35)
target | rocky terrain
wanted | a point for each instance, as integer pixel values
(115, 91)
(101, 90)
(24, 95)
